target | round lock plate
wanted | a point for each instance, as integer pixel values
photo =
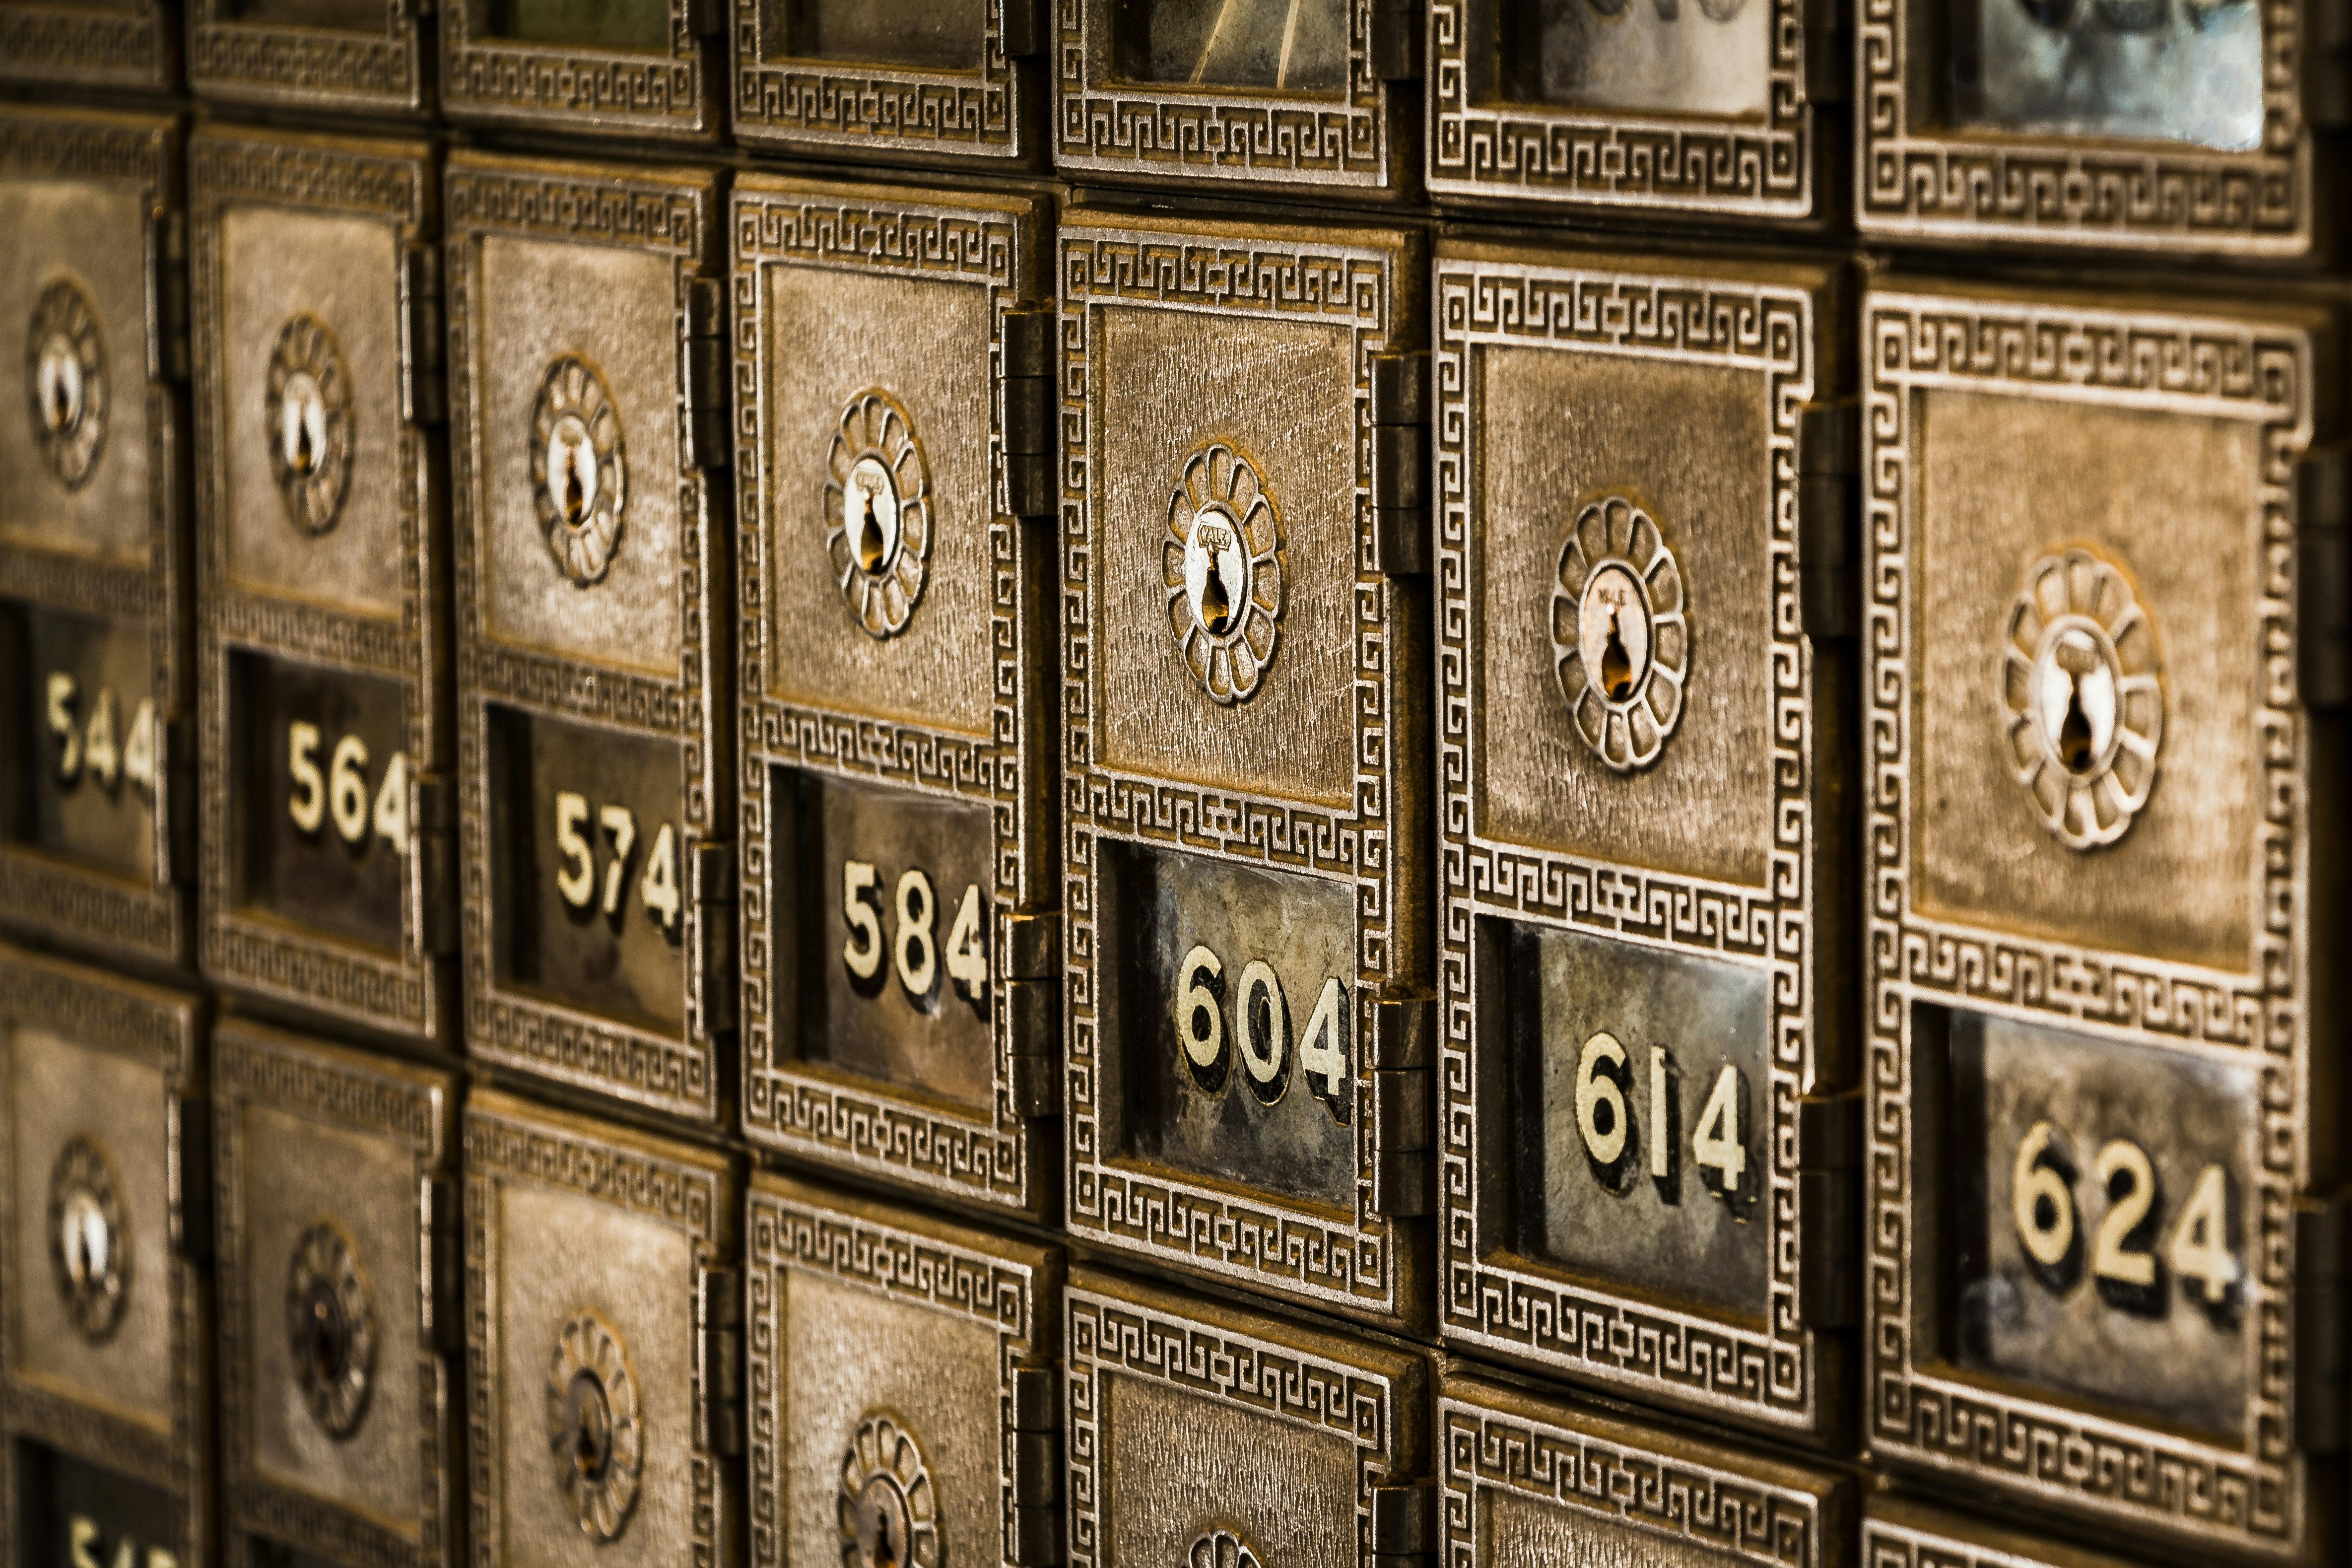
(579, 468)
(331, 1327)
(877, 513)
(308, 424)
(596, 1431)
(1223, 565)
(89, 1244)
(65, 381)
(888, 1515)
(1222, 1549)
(1620, 632)
(2081, 696)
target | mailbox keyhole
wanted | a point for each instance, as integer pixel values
(575, 495)
(330, 1345)
(883, 1533)
(1216, 604)
(870, 545)
(1616, 665)
(2074, 747)
(305, 455)
(592, 1437)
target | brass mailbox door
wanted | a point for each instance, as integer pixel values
(1244, 770)
(638, 69)
(1214, 1438)
(105, 1237)
(907, 1409)
(1526, 1479)
(2130, 126)
(95, 814)
(586, 401)
(2104, 1217)
(124, 44)
(1903, 1533)
(1646, 109)
(321, 57)
(1644, 662)
(900, 952)
(328, 867)
(933, 81)
(340, 1302)
(1291, 96)
(604, 1343)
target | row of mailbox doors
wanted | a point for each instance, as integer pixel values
(1678, 822)
(2190, 126)
(494, 1333)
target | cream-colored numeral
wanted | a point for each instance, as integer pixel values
(99, 753)
(620, 826)
(967, 952)
(1714, 1144)
(82, 1534)
(917, 956)
(576, 882)
(1600, 1103)
(862, 950)
(139, 747)
(658, 888)
(1199, 1022)
(1662, 1147)
(63, 690)
(390, 817)
(347, 789)
(308, 805)
(1323, 1052)
(2200, 1242)
(2041, 1202)
(2109, 1260)
(1265, 1051)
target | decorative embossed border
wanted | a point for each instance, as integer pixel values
(1493, 1298)
(672, 216)
(903, 1258)
(1376, 1399)
(672, 95)
(1492, 149)
(1918, 179)
(135, 48)
(163, 1030)
(406, 1107)
(1904, 1534)
(1666, 1496)
(1364, 1263)
(2248, 1493)
(334, 69)
(987, 114)
(1104, 125)
(993, 246)
(410, 989)
(43, 891)
(689, 1190)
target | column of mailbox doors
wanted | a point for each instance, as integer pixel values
(1871, 735)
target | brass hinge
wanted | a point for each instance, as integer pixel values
(2323, 578)
(167, 295)
(1405, 1525)
(1829, 50)
(1829, 518)
(718, 1348)
(432, 834)
(711, 888)
(1398, 29)
(191, 1168)
(1033, 1532)
(1400, 463)
(1033, 1023)
(1025, 28)
(2327, 55)
(1027, 416)
(705, 17)
(175, 814)
(1402, 1059)
(421, 399)
(2323, 1326)
(1030, 942)
(1829, 1214)
(709, 370)
(441, 1257)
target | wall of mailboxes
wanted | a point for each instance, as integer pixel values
(1191, 783)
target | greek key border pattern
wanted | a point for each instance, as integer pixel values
(1107, 126)
(1676, 1500)
(50, 44)
(1912, 179)
(1264, 1243)
(485, 77)
(307, 66)
(816, 104)
(1663, 163)
(2249, 1493)
(1617, 1336)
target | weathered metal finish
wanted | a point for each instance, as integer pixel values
(1644, 674)
(637, 68)
(2104, 1118)
(603, 1342)
(1245, 728)
(1908, 1533)
(327, 859)
(1323, 95)
(321, 57)
(1205, 1436)
(900, 944)
(94, 612)
(594, 634)
(2123, 127)
(1526, 1479)
(1727, 109)
(106, 1397)
(133, 46)
(904, 1398)
(340, 1302)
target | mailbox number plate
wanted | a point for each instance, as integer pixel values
(84, 727)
